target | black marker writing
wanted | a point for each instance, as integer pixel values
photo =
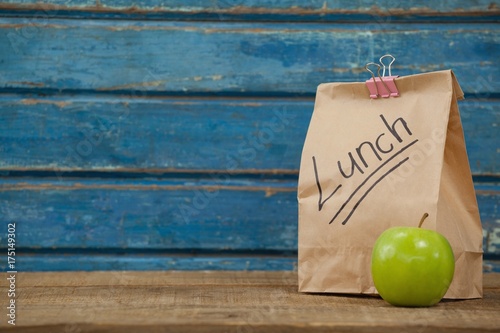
(368, 177)
(371, 187)
(377, 149)
(320, 201)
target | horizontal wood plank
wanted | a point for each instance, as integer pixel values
(328, 10)
(233, 58)
(191, 214)
(59, 261)
(187, 215)
(68, 133)
(84, 261)
(227, 302)
(488, 196)
(172, 134)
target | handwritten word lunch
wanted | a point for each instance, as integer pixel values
(386, 147)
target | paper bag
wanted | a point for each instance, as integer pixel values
(370, 164)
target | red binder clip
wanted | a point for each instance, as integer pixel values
(382, 86)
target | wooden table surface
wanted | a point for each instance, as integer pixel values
(222, 301)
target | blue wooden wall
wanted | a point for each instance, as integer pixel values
(167, 134)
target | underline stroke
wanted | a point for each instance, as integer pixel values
(366, 180)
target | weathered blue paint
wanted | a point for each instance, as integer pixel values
(255, 10)
(217, 214)
(244, 135)
(146, 262)
(189, 214)
(489, 212)
(238, 58)
(270, 6)
(151, 262)
(167, 135)
(491, 266)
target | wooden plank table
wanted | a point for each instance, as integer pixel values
(225, 301)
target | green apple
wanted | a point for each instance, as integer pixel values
(412, 266)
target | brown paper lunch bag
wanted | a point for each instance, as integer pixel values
(370, 164)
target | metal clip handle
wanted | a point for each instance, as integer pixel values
(390, 64)
(375, 84)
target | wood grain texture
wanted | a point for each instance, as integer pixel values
(189, 214)
(159, 135)
(168, 57)
(329, 10)
(61, 261)
(268, 5)
(228, 302)
(103, 260)
(164, 215)
(229, 135)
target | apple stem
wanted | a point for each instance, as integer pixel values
(422, 219)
